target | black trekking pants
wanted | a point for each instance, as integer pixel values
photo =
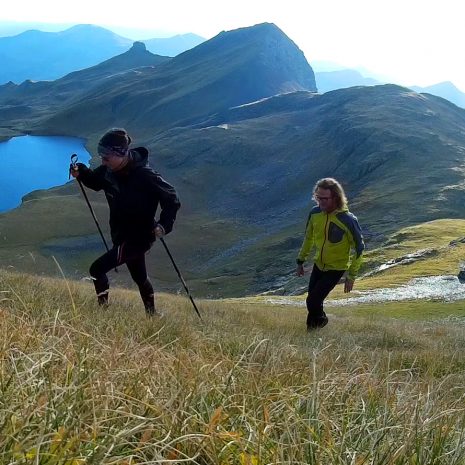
(320, 285)
(133, 255)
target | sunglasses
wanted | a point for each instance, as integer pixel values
(105, 157)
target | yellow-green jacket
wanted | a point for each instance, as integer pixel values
(334, 235)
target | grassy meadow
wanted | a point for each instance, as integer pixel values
(434, 236)
(81, 384)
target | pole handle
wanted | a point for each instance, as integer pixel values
(72, 165)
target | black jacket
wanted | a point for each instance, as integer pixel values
(133, 195)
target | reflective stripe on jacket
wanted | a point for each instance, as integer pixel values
(334, 235)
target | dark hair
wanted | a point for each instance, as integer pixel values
(336, 190)
(115, 141)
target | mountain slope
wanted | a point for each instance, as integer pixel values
(137, 56)
(29, 98)
(367, 136)
(256, 167)
(245, 178)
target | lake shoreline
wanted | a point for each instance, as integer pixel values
(35, 162)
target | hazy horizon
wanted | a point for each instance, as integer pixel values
(409, 43)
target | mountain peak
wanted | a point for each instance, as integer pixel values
(261, 57)
(138, 47)
(260, 31)
(259, 28)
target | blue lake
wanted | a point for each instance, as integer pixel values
(28, 163)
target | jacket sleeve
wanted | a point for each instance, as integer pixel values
(358, 246)
(307, 244)
(169, 202)
(93, 179)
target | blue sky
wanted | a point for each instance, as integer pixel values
(406, 41)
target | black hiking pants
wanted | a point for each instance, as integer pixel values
(133, 255)
(320, 285)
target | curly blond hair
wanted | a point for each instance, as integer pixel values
(336, 190)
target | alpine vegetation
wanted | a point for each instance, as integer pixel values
(85, 384)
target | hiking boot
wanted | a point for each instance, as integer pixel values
(102, 299)
(316, 324)
(146, 292)
(153, 312)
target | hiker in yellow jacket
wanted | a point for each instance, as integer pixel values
(335, 234)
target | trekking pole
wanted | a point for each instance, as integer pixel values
(74, 159)
(180, 277)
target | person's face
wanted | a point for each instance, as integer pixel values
(111, 161)
(325, 200)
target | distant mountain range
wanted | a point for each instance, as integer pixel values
(173, 46)
(37, 56)
(445, 90)
(340, 79)
(12, 28)
(343, 78)
(236, 124)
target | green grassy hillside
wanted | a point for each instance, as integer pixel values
(202, 248)
(442, 242)
(85, 385)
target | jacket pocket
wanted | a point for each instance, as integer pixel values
(335, 233)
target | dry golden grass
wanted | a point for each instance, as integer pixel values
(85, 385)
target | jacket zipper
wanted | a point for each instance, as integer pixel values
(324, 242)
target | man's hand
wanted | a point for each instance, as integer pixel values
(74, 171)
(159, 231)
(348, 285)
(300, 270)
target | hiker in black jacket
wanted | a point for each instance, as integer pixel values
(133, 191)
